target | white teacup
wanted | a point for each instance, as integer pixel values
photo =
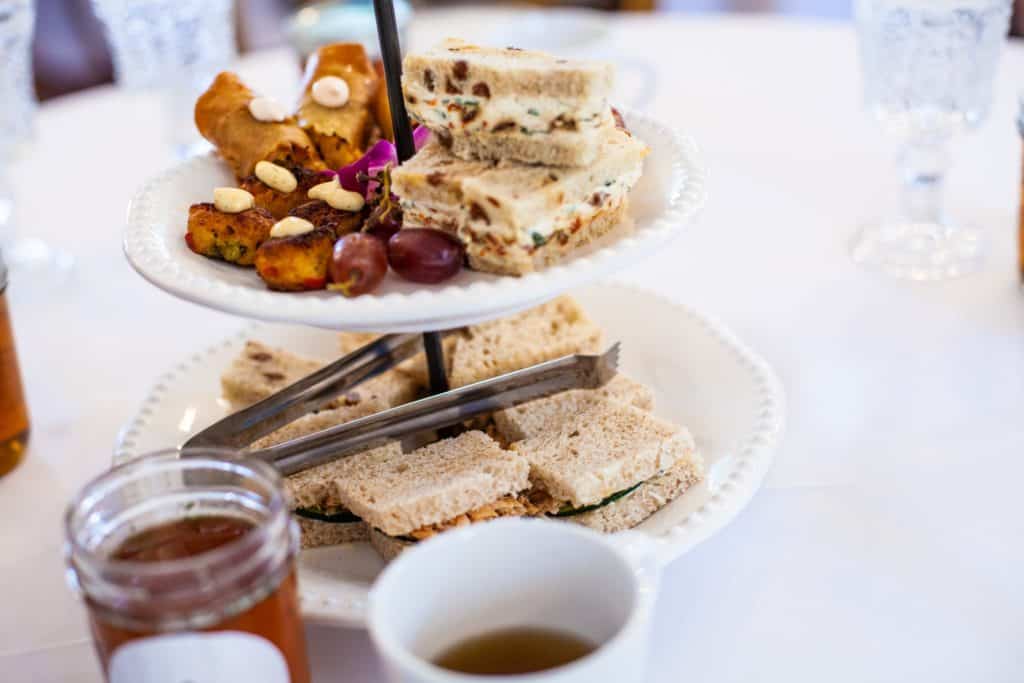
(517, 573)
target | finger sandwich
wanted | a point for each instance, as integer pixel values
(515, 218)
(544, 415)
(450, 483)
(611, 466)
(506, 103)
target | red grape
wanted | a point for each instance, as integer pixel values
(384, 226)
(358, 264)
(424, 255)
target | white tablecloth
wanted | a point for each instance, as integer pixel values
(886, 543)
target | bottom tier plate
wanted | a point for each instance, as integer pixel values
(702, 376)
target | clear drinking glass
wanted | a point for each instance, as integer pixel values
(928, 71)
(17, 112)
(172, 46)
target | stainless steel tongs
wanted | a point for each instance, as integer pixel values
(441, 410)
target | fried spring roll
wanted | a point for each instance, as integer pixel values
(222, 117)
(341, 133)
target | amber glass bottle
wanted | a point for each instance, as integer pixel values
(13, 411)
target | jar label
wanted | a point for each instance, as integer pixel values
(199, 658)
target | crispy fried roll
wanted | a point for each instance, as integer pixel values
(340, 132)
(223, 117)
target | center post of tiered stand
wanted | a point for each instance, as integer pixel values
(391, 55)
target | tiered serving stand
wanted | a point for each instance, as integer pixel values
(702, 375)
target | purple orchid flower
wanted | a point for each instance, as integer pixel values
(376, 159)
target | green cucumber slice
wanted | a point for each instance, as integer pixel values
(569, 511)
(340, 516)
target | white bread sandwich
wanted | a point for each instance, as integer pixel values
(450, 483)
(513, 218)
(612, 465)
(547, 415)
(506, 103)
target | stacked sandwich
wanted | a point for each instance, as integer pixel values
(527, 161)
(597, 458)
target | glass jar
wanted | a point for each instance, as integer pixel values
(187, 567)
(13, 410)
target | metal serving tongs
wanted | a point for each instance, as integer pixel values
(310, 393)
(438, 411)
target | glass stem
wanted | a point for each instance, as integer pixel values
(923, 167)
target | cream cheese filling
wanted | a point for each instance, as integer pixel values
(530, 115)
(610, 194)
(534, 232)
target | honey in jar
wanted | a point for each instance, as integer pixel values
(13, 411)
(187, 568)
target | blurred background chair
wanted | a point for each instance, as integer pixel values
(71, 53)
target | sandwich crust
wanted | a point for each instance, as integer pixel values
(606, 448)
(315, 488)
(554, 329)
(515, 218)
(557, 148)
(547, 415)
(650, 497)
(506, 103)
(518, 260)
(388, 547)
(317, 534)
(400, 494)
(261, 370)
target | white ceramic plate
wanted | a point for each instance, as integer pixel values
(703, 377)
(670, 193)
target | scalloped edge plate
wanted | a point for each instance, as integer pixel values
(668, 196)
(702, 375)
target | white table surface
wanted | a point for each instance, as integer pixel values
(886, 543)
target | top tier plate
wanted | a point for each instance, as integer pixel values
(666, 199)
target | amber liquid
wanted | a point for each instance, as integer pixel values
(13, 411)
(275, 618)
(514, 651)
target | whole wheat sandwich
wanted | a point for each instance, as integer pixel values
(545, 415)
(450, 483)
(557, 328)
(513, 218)
(323, 519)
(592, 457)
(506, 103)
(261, 370)
(611, 465)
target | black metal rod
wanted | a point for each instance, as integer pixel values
(435, 362)
(391, 55)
